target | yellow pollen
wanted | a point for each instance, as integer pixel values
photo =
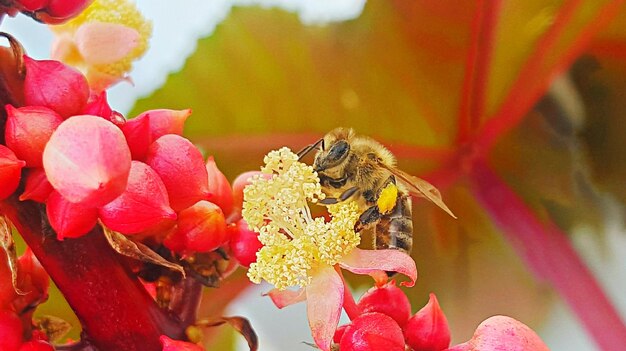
(294, 242)
(387, 199)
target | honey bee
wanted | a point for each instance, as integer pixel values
(356, 167)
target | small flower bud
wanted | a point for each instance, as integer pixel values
(69, 220)
(181, 167)
(36, 345)
(32, 5)
(28, 130)
(201, 228)
(144, 129)
(244, 243)
(33, 280)
(87, 160)
(428, 329)
(143, 205)
(387, 299)
(372, 331)
(339, 333)
(54, 85)
(240, 183)
(37, 187)
(503, 333)
(219, 187)
(10, 172)
(175, 345)
(97, 105)
(10, 331)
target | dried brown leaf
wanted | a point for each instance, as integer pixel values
(240, 324)
(7, 244)
(54, 327)
(125, 246)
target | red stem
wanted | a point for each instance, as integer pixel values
(546, 249)
(349, 305)
(531, 83)
(115, 310)
(477, 68)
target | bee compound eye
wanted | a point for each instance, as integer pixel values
(339, 150)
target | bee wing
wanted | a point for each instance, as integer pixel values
(419, 187)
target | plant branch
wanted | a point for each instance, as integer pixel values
(116, 312)
(546, 249)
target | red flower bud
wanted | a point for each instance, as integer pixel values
(97, 105)
(502, 333)
(372, 331)
(87, 160)
(33, 280)
(32, 5)
(7, 293)
(66, 9)
(201, 228)
(10, 172)
(239, 183)
(428, 329)
(28, 130)
(68, 219)
(55, 85)
(387, 299)
(175, 345)
(36, 345)
(181, 167)
(244, 243)
(10, 331)
(143, 205)
(144, 129)
(219, 187)
(339, 333)
(37, 187)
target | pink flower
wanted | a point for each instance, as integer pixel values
(299, 250)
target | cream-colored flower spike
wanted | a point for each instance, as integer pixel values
(295, 244)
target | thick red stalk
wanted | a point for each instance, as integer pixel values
(477, 68)
(529, 86)
(546, 249)
(115, 310)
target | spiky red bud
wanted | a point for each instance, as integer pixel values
(143, 205)
(201, 228)
(36, 345)
(219, 187)
(28, 129)
(144, 129)
(55, 85)
(181, 167)
(68, 219)
(10, 331)
(175, 345)
(87, 160)
(37, 187)
(10, 171)
(372, 331)
(387, 299)
(244, 243)
(428, 329)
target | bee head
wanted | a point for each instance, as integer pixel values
(335, 149)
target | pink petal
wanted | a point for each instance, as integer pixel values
(102, 43)
(324, 300)
(284, 298)
(377, 262)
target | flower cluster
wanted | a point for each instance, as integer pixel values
(384, 322)
(295, 244)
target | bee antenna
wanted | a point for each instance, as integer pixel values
(309, 148)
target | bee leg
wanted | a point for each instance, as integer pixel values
(309, 148)
(343, 197)
(370, 216)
